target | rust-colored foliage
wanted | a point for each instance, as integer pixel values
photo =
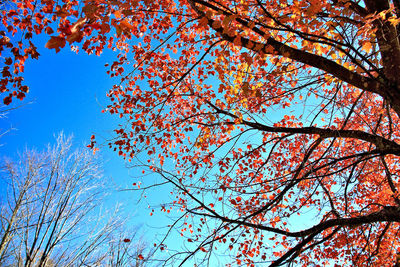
(276, 121)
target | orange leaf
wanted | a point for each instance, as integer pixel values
(367, 46)
(78, 25)
(126, 24)
(75, 37)
(117, 14)
(56, 42)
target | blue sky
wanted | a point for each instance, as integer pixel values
(67, 92)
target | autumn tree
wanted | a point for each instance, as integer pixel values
(275, 121)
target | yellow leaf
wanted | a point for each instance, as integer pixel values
(367, 46)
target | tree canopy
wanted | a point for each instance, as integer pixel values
(277, 122)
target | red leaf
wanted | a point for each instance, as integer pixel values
(49, 30)
(7, 100)
(8, 61)
(203, 249)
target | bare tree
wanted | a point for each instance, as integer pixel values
(121, 249)
(4, 112)
(48, 216)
